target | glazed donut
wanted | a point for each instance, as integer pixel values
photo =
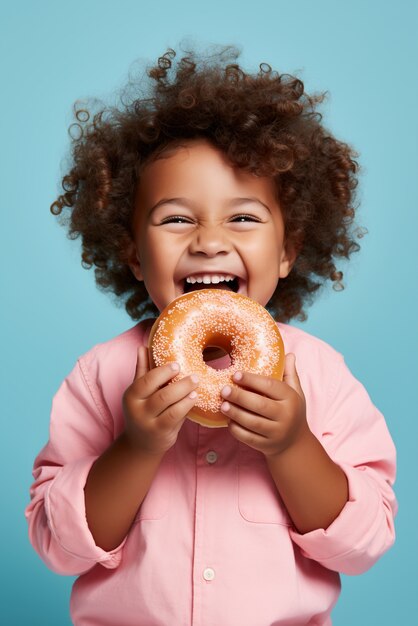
(216, 318)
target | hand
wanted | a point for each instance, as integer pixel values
(267, 414)
(155, 410)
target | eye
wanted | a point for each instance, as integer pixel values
(176, 219)
(245, 217)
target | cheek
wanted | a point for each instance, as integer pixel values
(161, 257)
(273, 246)
(263, 251)
(153, 247)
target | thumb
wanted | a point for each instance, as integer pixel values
(290, 375)
(142, 363)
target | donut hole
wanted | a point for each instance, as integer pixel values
(218, 350)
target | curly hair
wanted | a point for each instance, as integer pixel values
(263, 122)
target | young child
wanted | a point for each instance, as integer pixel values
(213, 173)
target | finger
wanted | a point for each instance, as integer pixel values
(290, 375)
(155, 378)
(177, 412)
(245, 436)
(250, 421)
(263, 385)
(142, 365)
(168, 395)
(253, 402)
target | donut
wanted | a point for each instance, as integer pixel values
(217, 318)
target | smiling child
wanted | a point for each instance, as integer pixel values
(221, 178)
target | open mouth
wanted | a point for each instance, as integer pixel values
(205, 281)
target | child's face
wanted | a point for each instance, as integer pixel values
(199, 218)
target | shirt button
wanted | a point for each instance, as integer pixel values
(211, 457)
(209, 574)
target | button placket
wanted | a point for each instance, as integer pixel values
(202, 574)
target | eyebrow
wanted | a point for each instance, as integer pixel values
(235, 202)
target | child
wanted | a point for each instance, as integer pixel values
(213, 174)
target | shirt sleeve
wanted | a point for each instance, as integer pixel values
(356, 437)
(80, 431)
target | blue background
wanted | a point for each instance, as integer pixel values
(53, 53)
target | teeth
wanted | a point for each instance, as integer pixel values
(208, 279)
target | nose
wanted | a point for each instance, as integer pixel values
(209, 241)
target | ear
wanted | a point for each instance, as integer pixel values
(289, 256)
(134, 262)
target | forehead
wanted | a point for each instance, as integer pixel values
(197, 167)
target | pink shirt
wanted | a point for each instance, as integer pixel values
(212, 544)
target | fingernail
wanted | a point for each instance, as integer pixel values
(237, 376)
(226, 391)
(192, 395)
(175, 366)
(195, 379)
(225, 406)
